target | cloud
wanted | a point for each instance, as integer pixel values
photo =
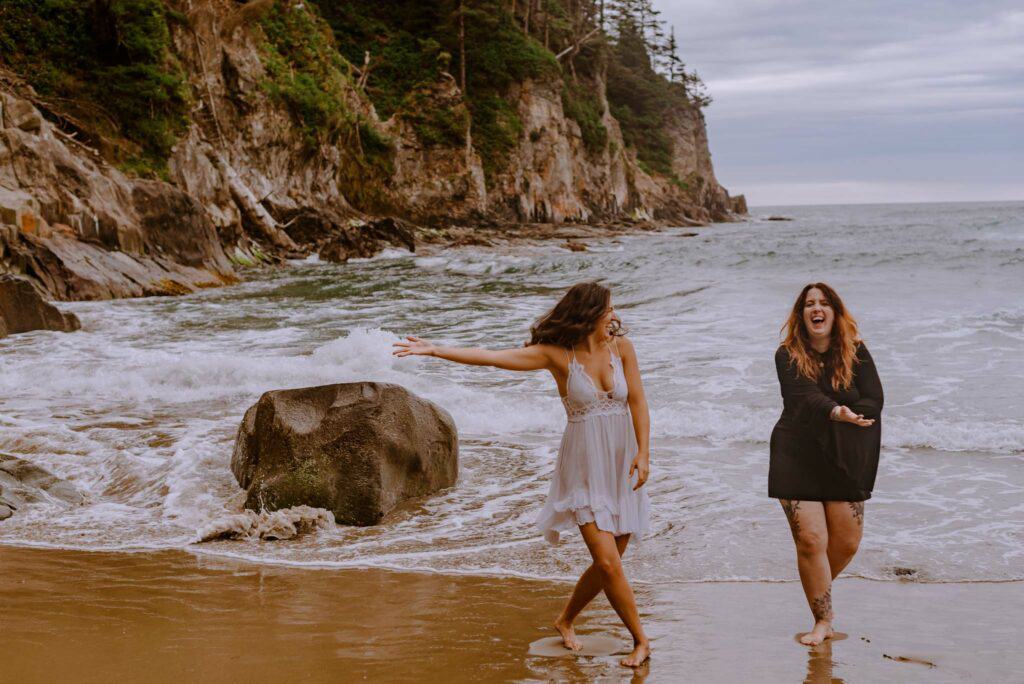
(833, 83)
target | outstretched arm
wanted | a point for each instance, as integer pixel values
(638, 410)
(534, 357)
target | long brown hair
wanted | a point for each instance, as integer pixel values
(842, 349)
(575, 316)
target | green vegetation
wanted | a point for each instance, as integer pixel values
(306, 73)
(400, 37)
(642, 101)
(312, 79)
(582, 106)
(412, 42)
(106, 66)
(435, 126)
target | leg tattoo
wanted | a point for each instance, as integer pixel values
(821, 607)
(790, 508)
(857, 507)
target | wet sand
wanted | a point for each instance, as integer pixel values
(174, 616)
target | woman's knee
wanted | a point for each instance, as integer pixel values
(811, 543)
(609, 567)
(843, 546)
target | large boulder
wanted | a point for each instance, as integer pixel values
(356, 449)
(23, 483)
(22, 308)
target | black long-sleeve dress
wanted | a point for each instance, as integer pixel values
(817, 459)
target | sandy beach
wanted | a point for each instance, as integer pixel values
(173, 616)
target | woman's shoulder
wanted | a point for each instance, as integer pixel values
(782, 354)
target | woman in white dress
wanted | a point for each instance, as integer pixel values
(606, 442)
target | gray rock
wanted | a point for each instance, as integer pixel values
(355, 449)
(21, 114)
(22, 309)
(22, 482)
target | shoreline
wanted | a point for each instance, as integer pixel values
(164, 615)
(198, 551)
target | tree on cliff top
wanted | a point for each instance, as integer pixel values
(642, 100)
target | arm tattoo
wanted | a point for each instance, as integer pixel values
(790, 508)
(821, 607)
(857, 508)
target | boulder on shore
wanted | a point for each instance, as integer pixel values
(356, 449)
(23, 483)
(22, 309)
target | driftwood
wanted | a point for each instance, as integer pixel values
(250, 207)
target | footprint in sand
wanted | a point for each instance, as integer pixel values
(593, 645)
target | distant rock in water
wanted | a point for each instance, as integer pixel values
(778, 218)
(24, 483)
(356, 449)
(22, 309)
(286, 523)
(361, 240)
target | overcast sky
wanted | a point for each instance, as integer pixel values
(849, 101)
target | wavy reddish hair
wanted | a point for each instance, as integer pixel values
(842, 349)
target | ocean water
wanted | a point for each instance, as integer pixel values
(140, 408)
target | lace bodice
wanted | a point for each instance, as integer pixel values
(584, 398)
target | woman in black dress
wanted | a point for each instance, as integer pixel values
(824, 449)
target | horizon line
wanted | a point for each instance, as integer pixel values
(864, 204)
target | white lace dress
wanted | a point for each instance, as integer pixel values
(591, 481)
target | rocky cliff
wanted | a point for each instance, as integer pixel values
(279, 146)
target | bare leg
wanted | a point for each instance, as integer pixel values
(613, 579)
(845, 520)
(588, 586)
(810, 533)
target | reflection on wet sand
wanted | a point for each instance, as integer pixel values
(172, 617)
(819, 665)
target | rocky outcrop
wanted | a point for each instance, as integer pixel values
(361, 240)
(355, 449)
(23, 483)
(436, 181)
(739, 205)
(22, 309)
(552, 177)
(82, 229)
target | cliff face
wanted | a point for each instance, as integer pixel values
(84, 230)
(268, 163)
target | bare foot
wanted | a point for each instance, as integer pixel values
(568, 635)
(641, 652)
(822, 630)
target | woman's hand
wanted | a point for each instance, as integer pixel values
(642, 467)
(414, 346)
(843, 414)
